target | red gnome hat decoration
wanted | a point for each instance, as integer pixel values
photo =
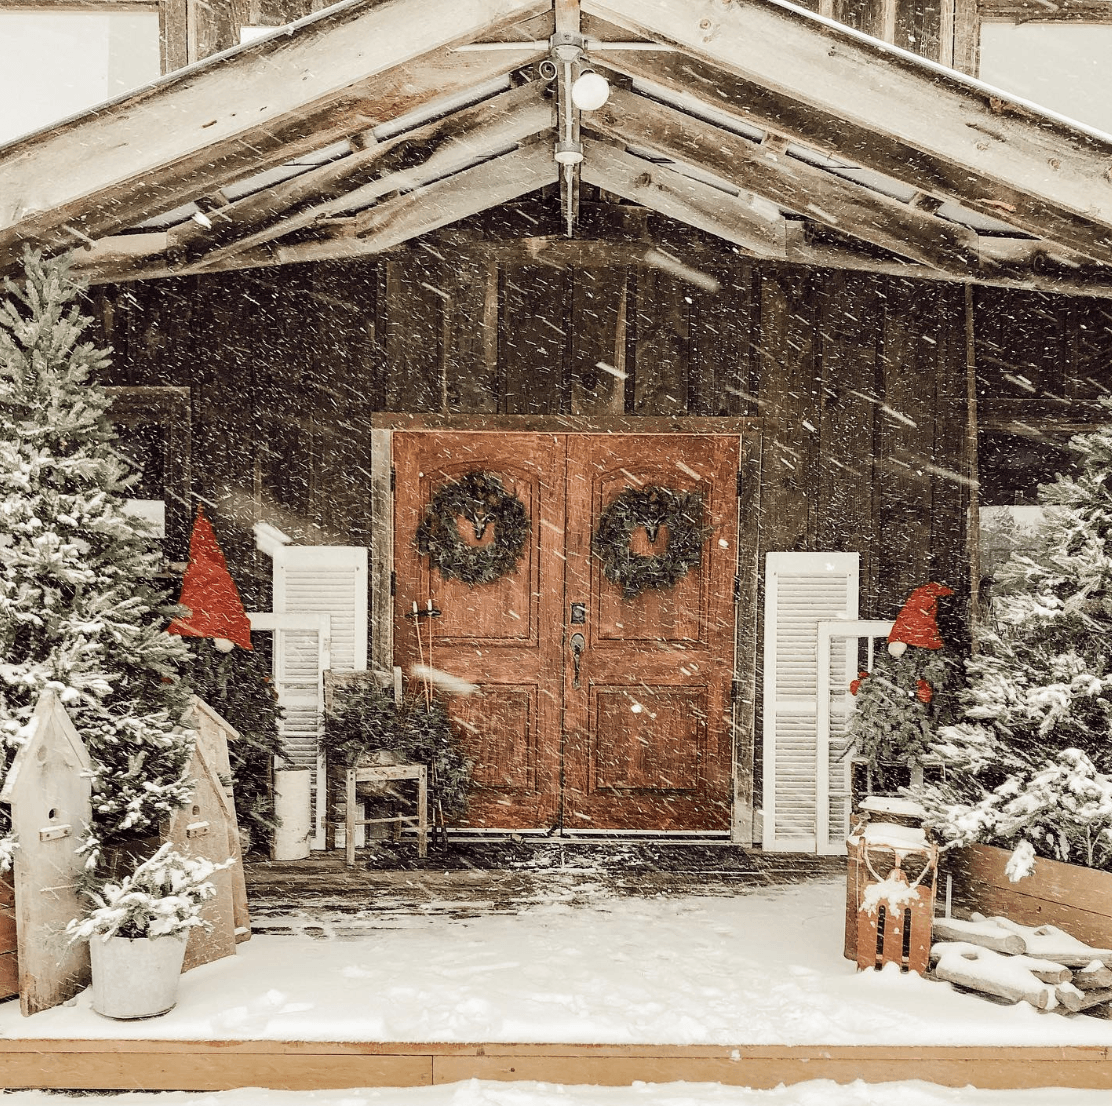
(915, 624)
(208, 590)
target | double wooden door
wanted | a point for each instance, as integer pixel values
(595, 712)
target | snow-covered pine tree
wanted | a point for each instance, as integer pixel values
(1030, 766)
(238, 686)
(79, 611)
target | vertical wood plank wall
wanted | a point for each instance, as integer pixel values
(859, 381)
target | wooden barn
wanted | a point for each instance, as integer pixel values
(778, 317)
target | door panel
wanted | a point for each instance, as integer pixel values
(639, 736)
(647, 733)
(500, 635)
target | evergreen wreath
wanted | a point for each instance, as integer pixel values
(683, 513)
(480, 498)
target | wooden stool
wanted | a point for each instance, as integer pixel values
(385, 774)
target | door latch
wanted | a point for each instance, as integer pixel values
(578, 644)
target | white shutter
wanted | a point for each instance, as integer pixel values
(327, 579)
(801, 590)
(330, 583)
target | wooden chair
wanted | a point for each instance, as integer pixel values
(350, 778)
(384, 774)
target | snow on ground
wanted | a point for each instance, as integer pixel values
(485, 1093)
(756, 968)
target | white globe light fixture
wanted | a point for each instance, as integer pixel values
(222, 644)
(590, 90)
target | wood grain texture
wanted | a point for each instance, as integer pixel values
(1076, 899)
(298, 1065)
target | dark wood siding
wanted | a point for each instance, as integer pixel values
(859, 381)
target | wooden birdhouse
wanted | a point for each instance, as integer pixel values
(49, 790)
(207, 828)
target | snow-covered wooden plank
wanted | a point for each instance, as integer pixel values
(690, 201)
(1053, 943)
(822, 126)
(335, 74)
(985, 933)
(48, 786)
(892, 93)
(435, 150)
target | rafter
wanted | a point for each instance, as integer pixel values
(880, 108)
(392, 222)
(760, 232)
(785, 180)
(436, 150)
(351, 68)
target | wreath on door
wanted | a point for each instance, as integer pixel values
(654, 508)
(481, 499)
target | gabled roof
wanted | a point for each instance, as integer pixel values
(377, 121)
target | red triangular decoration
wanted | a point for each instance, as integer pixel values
(208, 590)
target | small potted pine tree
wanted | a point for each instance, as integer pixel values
(137, 932)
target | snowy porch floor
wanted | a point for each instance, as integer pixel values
(582, 984)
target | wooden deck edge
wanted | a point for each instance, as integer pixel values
(308, 1065)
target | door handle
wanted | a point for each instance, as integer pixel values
(578, 644)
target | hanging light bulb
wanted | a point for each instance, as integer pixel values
(590, 90)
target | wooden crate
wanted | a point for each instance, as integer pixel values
(1076, 899)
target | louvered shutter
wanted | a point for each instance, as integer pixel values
(316, 580)
(801, 590)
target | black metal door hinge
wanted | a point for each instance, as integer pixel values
(393, 583)
(393, 479)
(740, 484)
(737, 588)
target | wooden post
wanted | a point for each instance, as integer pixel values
(49, 788)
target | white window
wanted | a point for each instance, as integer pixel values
(1063, 67)
(57, 63)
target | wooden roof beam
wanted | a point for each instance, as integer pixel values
(433, 151)
(805, 189)
(689, 201)
(389, 224)
(350, 67)
(450, 199)
(902, 114)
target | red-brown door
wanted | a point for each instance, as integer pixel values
(597, 711)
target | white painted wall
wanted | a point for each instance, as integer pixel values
(1062, 67)
(53, 64)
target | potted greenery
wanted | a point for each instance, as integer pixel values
(138, 929)
(365, 727)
